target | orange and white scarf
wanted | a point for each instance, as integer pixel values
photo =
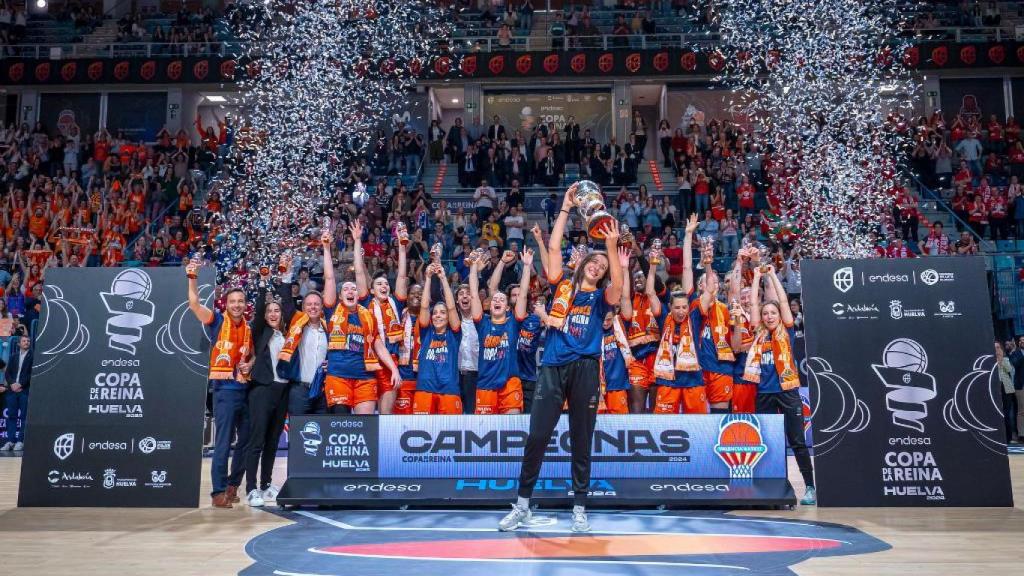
(644, 327)
(409, 347)
(294, 337)
(233, 345)
(782, 353)
(620, 339)
(388, 323)
(561, 303)
(338, 331)
(718, 322)
(681, 357)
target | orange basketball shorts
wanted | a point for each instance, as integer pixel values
(744, 397)
(348, 391)
(616, 402)
(641, 372)
(434, 403)
(692, 400)
(719, 386)
(503, 401)
(403, 402)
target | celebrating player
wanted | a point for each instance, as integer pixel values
(437, 384)
(355, 350)
(771, 365)
(570, 370)
(498, 388)
(643, 333)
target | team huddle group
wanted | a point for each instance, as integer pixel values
(612, 342)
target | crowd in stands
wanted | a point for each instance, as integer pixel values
(191, 31)
(13, 21)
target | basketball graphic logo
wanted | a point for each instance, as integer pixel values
(740, 445)
(842, 279)
(128, 302)
(904, 371)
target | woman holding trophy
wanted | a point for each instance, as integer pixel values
(571, 369)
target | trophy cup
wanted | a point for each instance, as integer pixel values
(655, 256)
(473, 256)
(627, 238)
(285, 263)
(192, 268)
(435, 253)
(403, 233)
(576, 255)
(707, 251)
(587, 198)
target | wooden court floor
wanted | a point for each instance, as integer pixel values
(204, 541)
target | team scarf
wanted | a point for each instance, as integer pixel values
(386, 317)
(644, 327)
(295, 329)
(620, 339)
(409, 347)
(561, 304)
(718, 321)
(338, 329)
(781, 352)
(672, 358)
(225, 356)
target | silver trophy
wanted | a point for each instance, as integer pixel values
(587, 198)
(656, 253)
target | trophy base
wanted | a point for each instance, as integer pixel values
(597, 224)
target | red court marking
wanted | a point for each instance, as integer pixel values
(587, 546)
(655, 174)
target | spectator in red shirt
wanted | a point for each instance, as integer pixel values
(977, 215)
(897, 249)
(745, 192)
(997, 216)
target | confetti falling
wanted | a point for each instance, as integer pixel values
(321, 78)
(826, 81)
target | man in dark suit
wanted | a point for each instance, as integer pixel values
(548, 171)
(17, 379)
(572, 141)
(495, 130)
(469, 168)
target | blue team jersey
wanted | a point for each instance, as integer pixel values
(350, 361)
(405, 370)
(687, 379)
(529, 340)
(399, 308)
(615, 377)
(582, 333)
(707, 352)
(769, 383)
(498, 359)
(439, 361)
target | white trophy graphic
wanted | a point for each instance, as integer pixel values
(128, 302)
(975, 399)
(904, 371)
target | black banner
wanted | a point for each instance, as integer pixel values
(905, 395)
(559, 64)
(118, 387)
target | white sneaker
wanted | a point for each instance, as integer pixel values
(514, 519)
(580, 523)
(271, 492)
(810, 497)
(7, 447)
(19, 446)
(255, 498)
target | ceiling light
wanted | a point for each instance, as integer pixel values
(216, 99)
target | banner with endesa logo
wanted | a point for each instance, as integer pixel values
(905, 395)
(638, 446)
(118, 387)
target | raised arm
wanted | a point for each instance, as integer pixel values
(454, 318)
(362, 283)
(613, 293)
(476, 308)
(402, 281)
(626, 301)
(555, 241)
(755, 299)
(538, 237)
(687, 275)
(330, 294)
(524, 284)
(649, 288)
(424, 316)
(204, 314)
(780, 294)
(493, 283)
